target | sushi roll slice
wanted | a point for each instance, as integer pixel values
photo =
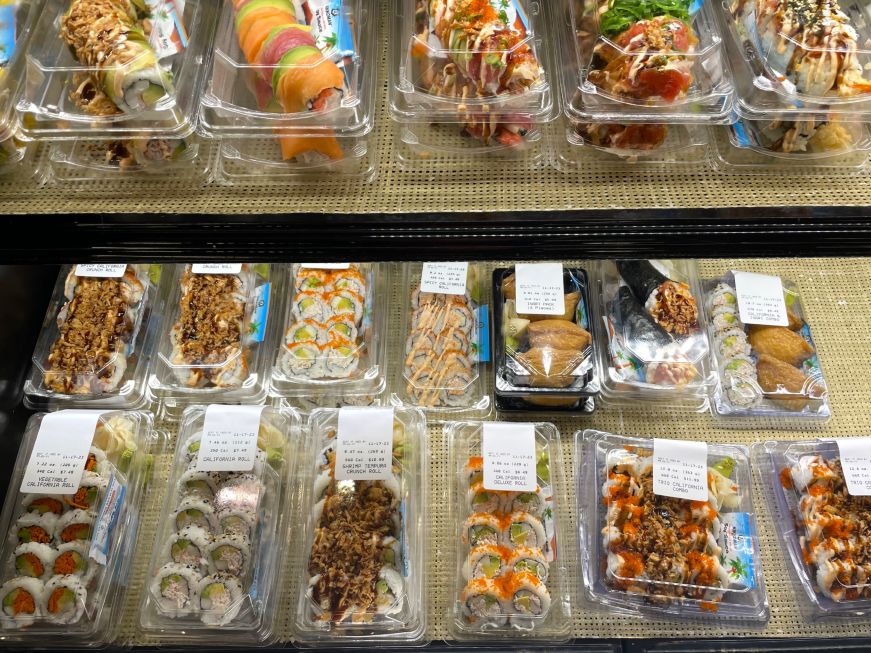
(35, 527)
(341, 360)
(72, 560)
(88, 494)
(481, 528)
(531, 502)
(451, 340)
(391, 552)
(97, 463)
(532, 561)
(322, 484)
(21, 599)
(188, 547)
(458, 317)
(740, 366)
(529, 597)
(312, 280)
(239, 492)
(43, 503)
(742, 393)
(219, 598)
(228, 554)
(486, 561)
(483, 500)
(388, 591)
(74, 525)
(473, 470)
(192, 511)
(175, 588)
(345, 302)
(310, 306)
(523, 529)
(341, 328)
(669, 303)
(199, 485)
(34, 560)
(722, 296)
(304, 359)
(192, 447)
(455, 381)
(725, 318)
(237, 522)
(731, 343)
(306, 331)
(351, 279)
(64, 599)
(483, 602)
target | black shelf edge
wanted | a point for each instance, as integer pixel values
(675, 233)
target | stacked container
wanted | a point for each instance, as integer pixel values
(468, 91)
(290, 92)
(641, 81)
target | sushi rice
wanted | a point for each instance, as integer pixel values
(228, 554)
(34, 560)
(21, 600)
(176, 589)
(74, 525)
(63, 600)
(389, 591)
(722, 295)
(72, 559)
(726, 317)
(219, 598)
(192, 511)
(234, 521)
(187, 547)
(731, 343)
(35, 527)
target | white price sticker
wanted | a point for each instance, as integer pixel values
(444, 278)
(539, 289)
(760, 299)
(110, 270)
(364, 444)
(216, 268)
(509, 456)
(856, 463)
(680, 469)
(325, 266)
(60, 452)
(229, 442)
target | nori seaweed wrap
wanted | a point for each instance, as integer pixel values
(669, 303)
(640, 331)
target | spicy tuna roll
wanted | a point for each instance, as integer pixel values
(74, 525)
(64, 599)
(219, 599)
(176, 588)
(21, 600)
(72, 560)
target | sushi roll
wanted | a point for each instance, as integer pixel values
(451, 340)
(486, 561)
(669, 303)
(34, 560)
(391, 552)
(199, 485)
(722, 296)
(228, 554)
(35, 527)
(97, 463)
(304, 359)
(528, 596)
(341, 359)
(526, 560)
(187, 547)
(306, 331)
(483, 602)
(531, 502)
(742, 393)
(21, 599)
(72, 560)
(237, 522)
(239, 492)
(312, 280)
(63, 600)
(523, 529)
(454, 382)
(345, 302)
(74, 525)
(351, 279)
(388, 591)
(740, 366)
(310, 306)
(473, 470)
(341, 328)
(483, 500)
(219, 598)
(481, 528)
(192, 511)
(639, 329)
(43, 503)
(732, 343)
(725, 318)
(88, 494)
(176, 588)
(192, 447)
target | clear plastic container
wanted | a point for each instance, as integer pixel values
(816, 521)
(385, 604)
(510, 549)
(139, 91)
(333, 332)
(665, 67)
(84, 358)
(640, 552)
(18, 20)
(544, 362)
(654, 347)
(216, 565)
(13, 153)
(217, 339)
(763, 371)
(241, 99)
(67, 556)
(443, 335)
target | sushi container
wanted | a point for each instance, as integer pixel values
(333, 332)
(227, 357)
(544, 362)
(84, 359)
(653, 343)
(640, 552)
(763, 371)
(445, 341)
(818, 523)
(144, 86)
(511, 577)
(66, 557)
(18, 20)
(216, 566)
(613, 74)
(383, 601)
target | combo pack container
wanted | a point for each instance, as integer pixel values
(216, 568)
(67, 554)
(644, 553)
(544, 362)
(363, 552)
(510, 549)
(97, 338)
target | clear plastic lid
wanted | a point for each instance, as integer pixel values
(800, 140)
(763, 371)
(819, 523)
(292, 65)
(364, 552)
(469, 58)
(634, 143)
(216, 565)
(549, 357)
(642, 552)
(511, 578)
(216, 340)
(440, 371)
(18, 20)
(125, 73)
(66, 557)
(655, 346)
(95, 345)
(12, 153)
(334, 327)
(492, 137)
(643, 63)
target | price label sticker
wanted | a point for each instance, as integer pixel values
(229, 442)
(216, 268)
(108, 270)
(325, 266)
(760, 299)
(856, 463)
(680, 469)
(364, 444)
(445, 278)
(539, 288)
(509, 456)
(60, 452)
